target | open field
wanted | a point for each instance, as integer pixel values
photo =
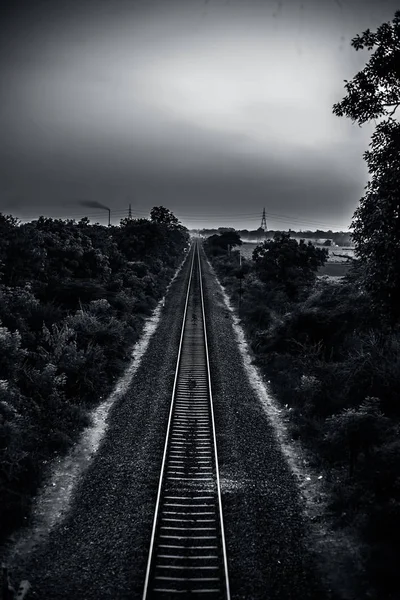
(334, 269)
(336, 266)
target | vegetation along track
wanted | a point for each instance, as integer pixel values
(187, 550)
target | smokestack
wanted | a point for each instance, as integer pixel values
(95, 204)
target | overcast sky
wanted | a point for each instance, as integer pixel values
(213, 109)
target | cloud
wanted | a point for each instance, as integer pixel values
(161, 102)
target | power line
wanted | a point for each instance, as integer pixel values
(234, 219)
(238, 217)
(252, 217)
(299, 219)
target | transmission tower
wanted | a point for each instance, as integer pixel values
(263, 226)
(130, 212)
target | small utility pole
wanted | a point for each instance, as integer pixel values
(109, 216)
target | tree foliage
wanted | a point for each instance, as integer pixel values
(287, 262)
(224, 242)
(159, 214)
(355, 430)
(375, 93)
(376, 221)
(73, 299)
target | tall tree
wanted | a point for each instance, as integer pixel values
(159, 214)
(374, 93)
(288, 263)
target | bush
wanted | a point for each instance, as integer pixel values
(73, 300)
(354, 431)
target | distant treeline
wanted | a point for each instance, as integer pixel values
(340, 238)
(73, 300)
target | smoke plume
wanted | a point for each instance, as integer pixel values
(93, 204)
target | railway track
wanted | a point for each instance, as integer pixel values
(187, 555)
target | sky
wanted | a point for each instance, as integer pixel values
(214, 109)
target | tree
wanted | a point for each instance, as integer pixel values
(220, 244)
(229, 239)
(141, 239)
(288, 263)
(374, 93)
(376, 89)
(159, 214)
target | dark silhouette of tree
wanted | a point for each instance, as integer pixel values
(230, 239)
(288, 263)
(220, 244)
(373, 93)
(225, 229)
(159, 214)
(139, 238)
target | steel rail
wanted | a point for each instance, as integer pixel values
(214, 436)
(187, 555)
(146, 584)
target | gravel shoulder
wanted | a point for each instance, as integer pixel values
(266, 532)
(100, 549)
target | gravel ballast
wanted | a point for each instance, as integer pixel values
(265, 529)
(100, 549)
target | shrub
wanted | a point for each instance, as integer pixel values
(354, 431)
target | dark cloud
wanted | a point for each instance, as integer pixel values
(210, 113)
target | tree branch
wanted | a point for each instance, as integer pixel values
(396, 106)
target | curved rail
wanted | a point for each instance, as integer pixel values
(187, 554)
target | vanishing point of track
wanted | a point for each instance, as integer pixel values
(187, 555)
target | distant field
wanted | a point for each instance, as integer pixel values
(247, 249)
(335, 267)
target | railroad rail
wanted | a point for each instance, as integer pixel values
(187, 555)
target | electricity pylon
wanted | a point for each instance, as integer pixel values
(262, 234)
